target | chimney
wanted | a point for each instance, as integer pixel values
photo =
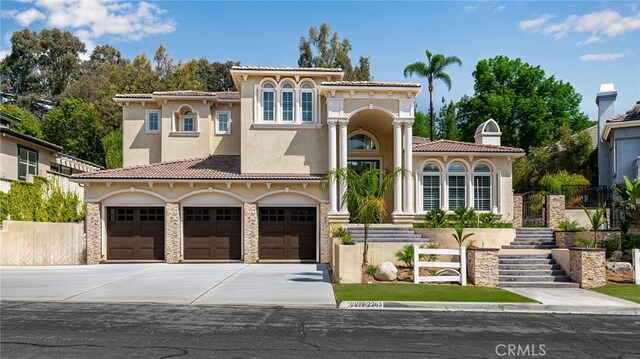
(488, 133)
(605, 100)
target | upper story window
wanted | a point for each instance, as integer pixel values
(27, 162)
(287, 102)
(185, 120)
(152, 121)
(268, 102)
(306, 98)
(223, 122)
(362, 142)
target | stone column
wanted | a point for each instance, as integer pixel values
(250, 223)
(333, 202)
(587, 266)
(343, 164)
(554, 210)
(94, 233)
(517, 210)
(408, 167)
(397, 163)
(325, 237)
(172, 233)
(482, 267)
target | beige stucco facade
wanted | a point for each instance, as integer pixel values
(282, 122)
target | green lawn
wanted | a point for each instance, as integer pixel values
(424, 293)
(629, 292)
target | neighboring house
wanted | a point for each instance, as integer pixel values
(237, 175)
(22, 157)
(619, 146)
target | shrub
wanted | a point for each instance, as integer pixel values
(371, 269)
(342, 234)
(569, 225)
(581, 242)
(553, 183)
(616, 256)
(460, 236)
(405, 255)
(611, 245)
(464, 216)
(436, 218)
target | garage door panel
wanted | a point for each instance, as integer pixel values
(135, 233)
(287, 233)
(212, 233)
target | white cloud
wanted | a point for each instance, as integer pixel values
(470, 8)
(28, 16)
(91, 20)
(4, 53)
(599, 24)
(602, 57)
(499, 8)
(534, 23)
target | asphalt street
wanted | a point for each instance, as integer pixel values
(83, 330)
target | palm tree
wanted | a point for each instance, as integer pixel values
(365, 197)
(433, 70)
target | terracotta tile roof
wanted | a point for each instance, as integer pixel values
(228, 95)
(297, 69)
(133, 95)
(225, 95)
(457, 146)
(631, 115)
(419, 140)
(370, 84)
(184, 93)
(208, 168)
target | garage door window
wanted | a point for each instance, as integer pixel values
(303, 215)
(197, 214)
(152, 214)
(120, 214)
(272, 214)
(227, 215)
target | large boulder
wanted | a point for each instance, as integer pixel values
(619, 266)
(386, 272)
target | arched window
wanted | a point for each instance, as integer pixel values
(457, 181)
(306, 100)
(361, 142)
(287, 103)
(482, 187)
(268, 102)
(431, 187)
(185, 120)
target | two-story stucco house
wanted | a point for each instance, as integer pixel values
(236, 175)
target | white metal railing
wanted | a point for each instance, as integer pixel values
(636, 266)
(461, 265)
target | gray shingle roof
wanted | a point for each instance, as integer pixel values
(208, 168)
(631, 115)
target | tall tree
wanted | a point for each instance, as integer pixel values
(529, 105)
(60, 59)
(421, 125)
(433, 70)
(215, 76)
(331, 51)
(28, 123)
(164, 63)
(447, 124)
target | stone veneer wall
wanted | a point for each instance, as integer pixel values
(587, 267)
(517, 210)
(482, 266)
(554, 210)
(173, 240)
(325, 238)
(565, 239)
(94, 233)
(250, 213)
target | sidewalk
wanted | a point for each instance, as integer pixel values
(552, 300)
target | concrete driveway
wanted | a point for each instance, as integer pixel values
(290, 285)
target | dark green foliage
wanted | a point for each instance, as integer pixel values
(436, 218)
(553, 183)
(464, 216)
(40, 201)
(529, 105)
(371, 269)
(112, 144)
(28, 123)
(421, 126)
(467, 217)
(569, 225)
(447, 122)
(324, 48)
(611, 245)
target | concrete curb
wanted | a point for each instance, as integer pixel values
(488, 307)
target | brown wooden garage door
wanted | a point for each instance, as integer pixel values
(287, 233)
(212, 233)
(135, 233)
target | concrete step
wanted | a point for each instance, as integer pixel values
(527, 246)
(382, 235)
(538, 285)
(525, 256)
(539, 243)
(392, 240)
(534, 230)
(531, 272)
(536, 279)
(528, 237)
(526, 261)
(529, 267)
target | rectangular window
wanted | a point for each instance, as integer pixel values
(431, 192)
(197, 215)
(187, 124)
(287, 106)
(153, 121)
(61, 169)
(223, 123)
(457, 192)
(482, 193)
(268, 106)
(307, 107)
(27, 162)
(361, 166)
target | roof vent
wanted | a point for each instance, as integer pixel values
(488, 133)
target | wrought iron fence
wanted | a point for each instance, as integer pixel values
(578, 196)
(534, 205)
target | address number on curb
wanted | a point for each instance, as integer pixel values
(364, 305)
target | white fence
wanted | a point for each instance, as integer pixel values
(636, 266)
(461, 266)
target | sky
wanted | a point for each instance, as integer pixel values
(585, 43)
